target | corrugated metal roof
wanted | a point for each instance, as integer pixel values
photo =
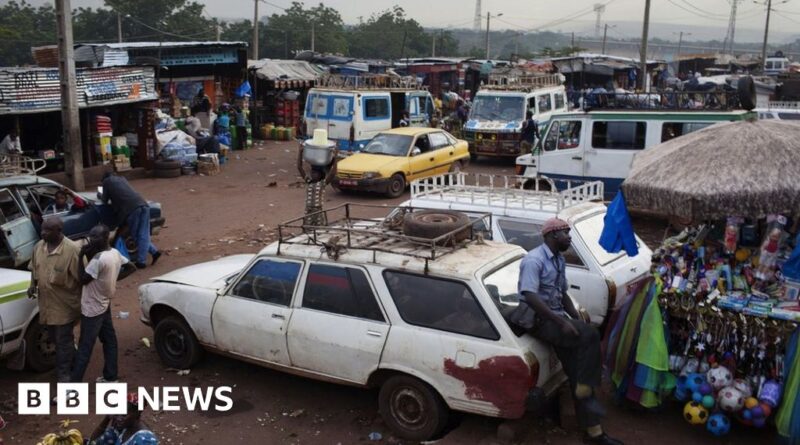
(36, 90)
(284, 70)
(140, 45)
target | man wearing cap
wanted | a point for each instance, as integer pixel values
(543, 287)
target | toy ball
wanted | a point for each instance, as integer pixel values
(697, 397)
(704, 367)
(743, 386)
(695, 414)
(690, 367)
(730, 399)
(694, 381)
(742, 255)
(681, 382)
(718, 424)
(708, 402)
(750, 402)
(766, 409)
(719, 377)
(682, 394)
(771, 393)
(747, 414)
(705, 389)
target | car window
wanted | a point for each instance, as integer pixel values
(789, 116)
(438, 140)
(563, 135)
(318, 105)
(559, 101)
(28, 199)
(388, 144)
(450, 139)
(544, 103)
(670, 130)
(269, 281)
(529, 236)
(436, 303)
(44, 195)
(502, 283)
(9, 207)
(480, 225)
(376, 108)
(422, 143)
(618, 135)
(340, 290)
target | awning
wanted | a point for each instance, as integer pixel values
(285, 73)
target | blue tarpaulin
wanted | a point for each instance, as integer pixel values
(791, 268)
(617, 228)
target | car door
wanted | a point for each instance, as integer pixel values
(338, 328)
(77, 222)
(376, 116)
(442, 151)
(423, 163)
(562, 152)
(252, 317)
(19, 232)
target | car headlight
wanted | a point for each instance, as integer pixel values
(494, 136)
(480, 136)
(371, 175)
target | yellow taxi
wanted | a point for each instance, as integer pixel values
(393, 158)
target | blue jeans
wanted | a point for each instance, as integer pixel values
(61, 335)
(93, 328)
(139, 225)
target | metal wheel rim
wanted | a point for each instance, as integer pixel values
(44, 346)
(175, 343)
(438, 218)
(396, 185)
(408, 408)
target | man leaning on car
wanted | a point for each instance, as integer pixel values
(54, 280)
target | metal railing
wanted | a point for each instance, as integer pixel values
(13, 164)
(524, 82)
(522, 192)
(346, 230)
(670, 100)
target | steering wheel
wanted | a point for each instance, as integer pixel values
(266, 289)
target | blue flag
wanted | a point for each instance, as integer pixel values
(791, 268)
(617, 228)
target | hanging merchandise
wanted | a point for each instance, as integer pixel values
(243, 90)
(788, 416)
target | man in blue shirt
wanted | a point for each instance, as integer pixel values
(543, 287)
(529, 134)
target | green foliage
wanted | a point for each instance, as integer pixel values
(23, 26)
(389, 35)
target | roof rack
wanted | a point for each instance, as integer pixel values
(522, 82)
(347, 231)
(669, 100)
(786, 105)
(522, 192)
(13, 164)
(369, 82)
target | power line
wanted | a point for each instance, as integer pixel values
(695, 13)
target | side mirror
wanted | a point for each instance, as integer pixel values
(415, 151)
(361, 146)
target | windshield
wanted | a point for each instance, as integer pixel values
(498, 108)
(502, 283)
(389, 144)
(590, 229)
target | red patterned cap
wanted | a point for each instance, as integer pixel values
(554, 225)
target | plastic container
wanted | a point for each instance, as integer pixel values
(318, 151)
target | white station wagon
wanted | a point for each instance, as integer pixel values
(359, 302)
(22, 338)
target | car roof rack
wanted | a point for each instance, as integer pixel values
(507, 191)
(684, 101)
(347, 229)
(370, 82)
(522, 82)
(13, 164)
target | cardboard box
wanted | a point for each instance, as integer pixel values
(47, 154)
(207, 168)
(121, 164)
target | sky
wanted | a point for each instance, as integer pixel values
(703, 19)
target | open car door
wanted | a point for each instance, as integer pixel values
(19, 233)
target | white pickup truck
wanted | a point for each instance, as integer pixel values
(20, 331)
(598, 280)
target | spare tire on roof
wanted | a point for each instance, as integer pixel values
(432, 224)
(747, 92)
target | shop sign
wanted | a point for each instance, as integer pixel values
(200, 58)
(35, 90)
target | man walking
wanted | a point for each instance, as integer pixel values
(543, 287)
(529, 134)
(130, 207)
(99, 279)
(54, 280)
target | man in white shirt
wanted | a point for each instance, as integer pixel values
(10, 143)
(99, 279)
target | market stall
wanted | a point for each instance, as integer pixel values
(716, 326)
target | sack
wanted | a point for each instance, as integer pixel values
(523, 316)
(119, 244)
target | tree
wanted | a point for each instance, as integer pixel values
(388, 35)
(287, 33)
(163, 19)
(94, 25)
(23, 26)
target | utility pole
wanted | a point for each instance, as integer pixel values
(119, 27)
(219, 32)
(605, 34)
(645, 29)
(572, 44)
(73, 152)
(488, 20)
(680, 43)
(766, 34)
(433, 45)
(255, 30)
(313, 37)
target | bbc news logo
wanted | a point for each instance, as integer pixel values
(112, 398)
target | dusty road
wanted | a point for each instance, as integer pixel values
(236, 212)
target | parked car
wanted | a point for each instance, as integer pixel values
(424, 324)
(19, 320)
(598, 280)
(24, 197)
(393, 158)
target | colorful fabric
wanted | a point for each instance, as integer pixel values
(788, 417)
(113, 437)
(617, 228)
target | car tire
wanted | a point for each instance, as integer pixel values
(176, 344)
(430, 224)
(747, 92)
(411, 408)
(397, 186)
(40, 352)
(167, 164)
(163, 173)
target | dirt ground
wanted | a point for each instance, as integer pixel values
(237, 212)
